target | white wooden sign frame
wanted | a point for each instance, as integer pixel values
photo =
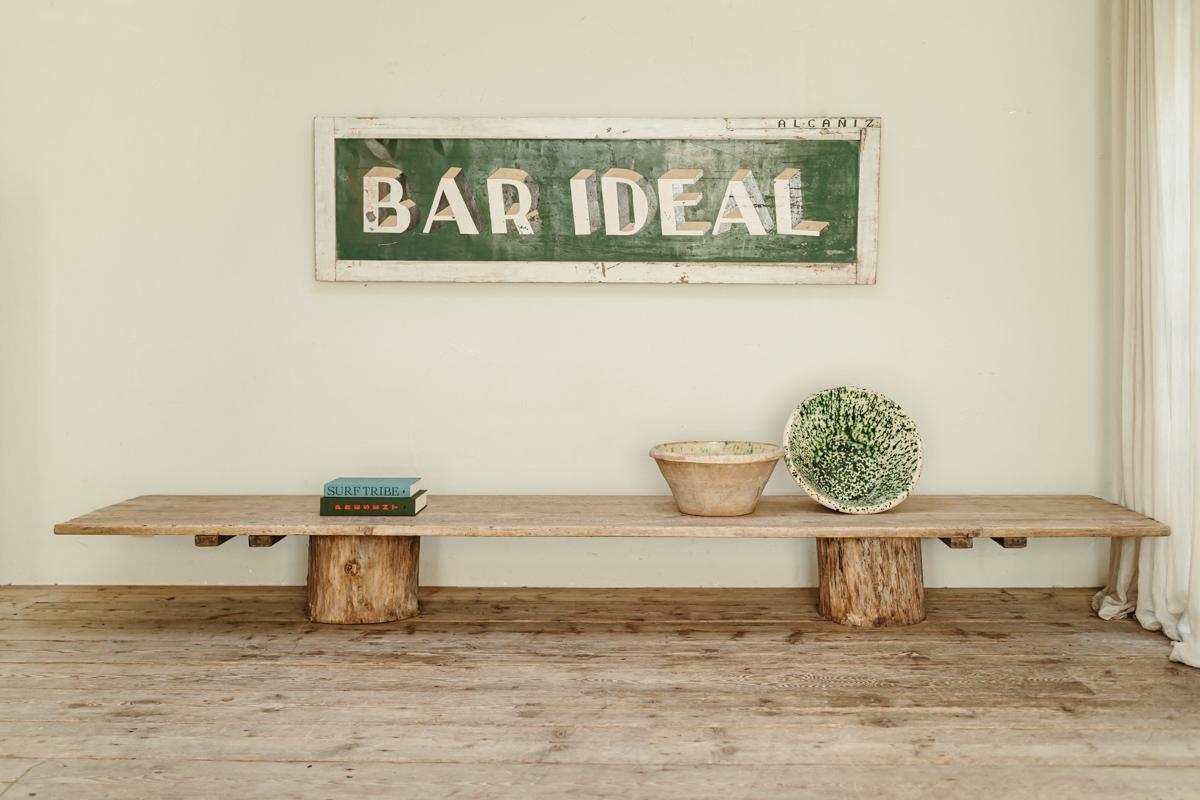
(865, 130)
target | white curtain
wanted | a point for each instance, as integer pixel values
(1156, 151)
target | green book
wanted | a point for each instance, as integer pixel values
(373, 506)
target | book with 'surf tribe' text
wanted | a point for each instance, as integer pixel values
(372, 487)
(373, 506)
(373, 497)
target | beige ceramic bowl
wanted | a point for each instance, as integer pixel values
(717, 479)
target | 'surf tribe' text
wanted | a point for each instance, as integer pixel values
(620, 201)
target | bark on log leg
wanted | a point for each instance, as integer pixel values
(870, 583)
(360, 579)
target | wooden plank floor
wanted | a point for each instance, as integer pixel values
(496, 693)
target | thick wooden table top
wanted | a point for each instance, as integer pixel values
(791, 516)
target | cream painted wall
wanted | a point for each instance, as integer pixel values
(161, 330)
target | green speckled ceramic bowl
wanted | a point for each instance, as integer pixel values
(853, 450)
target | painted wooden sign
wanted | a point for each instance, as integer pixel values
(781, 200)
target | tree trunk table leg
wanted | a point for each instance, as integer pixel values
(360, 579)
(871, 583)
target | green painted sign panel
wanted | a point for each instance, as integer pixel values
(747, 201)
(829, 171)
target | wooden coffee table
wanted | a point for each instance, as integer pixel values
(364, 569)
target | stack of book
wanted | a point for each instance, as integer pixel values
(373, 497)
